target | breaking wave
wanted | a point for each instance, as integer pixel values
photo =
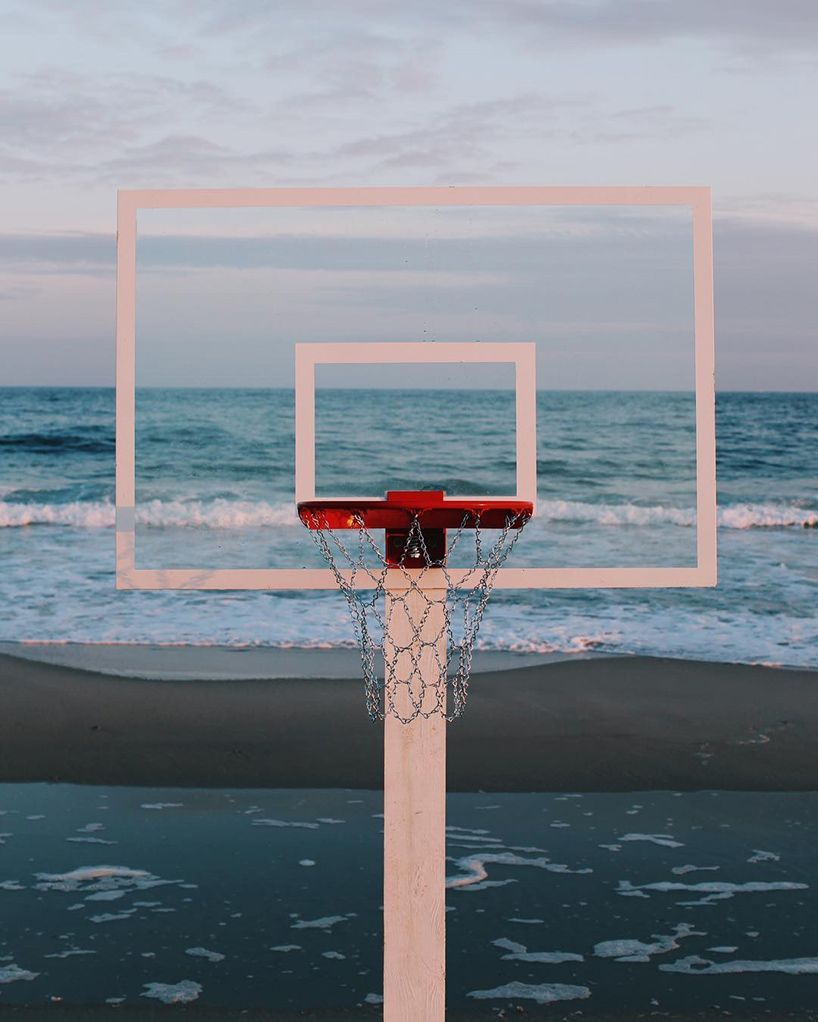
(222, 513)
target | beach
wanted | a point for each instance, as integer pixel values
(198, 833)
(607, 724)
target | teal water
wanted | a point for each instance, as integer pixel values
(214, 487)
(604, 904)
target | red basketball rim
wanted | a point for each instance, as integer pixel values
(399, 509)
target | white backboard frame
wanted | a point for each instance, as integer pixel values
(697, 199)
(521, 356)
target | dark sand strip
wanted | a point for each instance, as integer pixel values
(621, 724)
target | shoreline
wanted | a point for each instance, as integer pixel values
(591, 724)
(182, 662)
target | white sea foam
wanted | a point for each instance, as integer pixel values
(759, 855)
(216, 514)
(223, 513)
(695, 966)
(70, 954)
(541, 993)
(80, 514)
(689, 868)
(202, 952)
(174, 993)
(711, 890)
(628, 950)
(721, 624)
(665, 840)
(730, 516)
(284, 823)
(474, 873)
(324, 923)
(86, 874)
(520, 953)
(10, 973)
(87, 879)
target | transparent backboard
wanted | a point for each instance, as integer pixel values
(547, 344)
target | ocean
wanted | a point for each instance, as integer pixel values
(214, 488)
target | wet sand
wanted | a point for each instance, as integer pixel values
(614, 724)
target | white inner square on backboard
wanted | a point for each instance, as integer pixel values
(520, 355)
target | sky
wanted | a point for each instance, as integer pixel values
(96, 96)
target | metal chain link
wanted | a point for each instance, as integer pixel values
(405, 691)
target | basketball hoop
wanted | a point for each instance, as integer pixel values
(403, 597)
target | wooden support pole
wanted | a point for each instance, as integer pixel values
(414, 902)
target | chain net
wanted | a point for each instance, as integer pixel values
(420, 622)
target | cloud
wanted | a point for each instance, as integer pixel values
(12, 291)
(765, 275)
(343, 64)
(190, 158)
(661, 121)
(740, 24)
(744, 25)
(766, 305)
(256, 93)
(462, 140)
(756, 26)
(24, 257)
(56, 122)
(766, 300)
(463, 134)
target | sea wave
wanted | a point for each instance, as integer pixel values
(215, 514)
(222, 513)
(92, 441)
(730, 516)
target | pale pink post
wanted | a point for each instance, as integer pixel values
(414, 837)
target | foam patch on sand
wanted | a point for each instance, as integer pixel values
(202, 952)
(664, 840)
(100, 878)
(471, 837)
(520, 953)
(13, 972)
(695, 966)
(712, 891)
(475, 873)
(70, 953)
(325, 923)
(761, 856)
(638, 951)
(688, 868)
(284, 823)
(183, 992)
(541, 993)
